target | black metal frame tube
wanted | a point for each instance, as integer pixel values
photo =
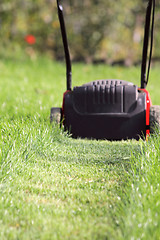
(151, 44)
(65, 45)
(144, 78)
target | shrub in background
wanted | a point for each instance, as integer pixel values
(97, 30)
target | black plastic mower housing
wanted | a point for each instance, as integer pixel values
(105, 109)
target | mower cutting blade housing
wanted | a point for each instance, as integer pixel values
(105, 109)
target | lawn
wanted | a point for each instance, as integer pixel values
(56, 187)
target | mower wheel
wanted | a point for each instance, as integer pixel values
(55, 115)
(154, 117)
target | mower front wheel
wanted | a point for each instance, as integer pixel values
(154, 118)
(56, 115)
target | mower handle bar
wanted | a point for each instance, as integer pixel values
(65, 45)
(148, 30)
(144, 79)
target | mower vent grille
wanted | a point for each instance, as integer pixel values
(104, 96)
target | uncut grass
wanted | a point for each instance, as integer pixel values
(139, 212)
(52, 186)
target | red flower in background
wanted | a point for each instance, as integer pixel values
(30, 39)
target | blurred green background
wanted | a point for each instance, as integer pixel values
(98, 31)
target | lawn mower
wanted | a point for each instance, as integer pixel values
(109, 109)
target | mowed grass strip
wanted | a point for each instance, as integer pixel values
(52, 186)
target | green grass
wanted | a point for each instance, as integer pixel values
(141, 218)
(55, 187)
